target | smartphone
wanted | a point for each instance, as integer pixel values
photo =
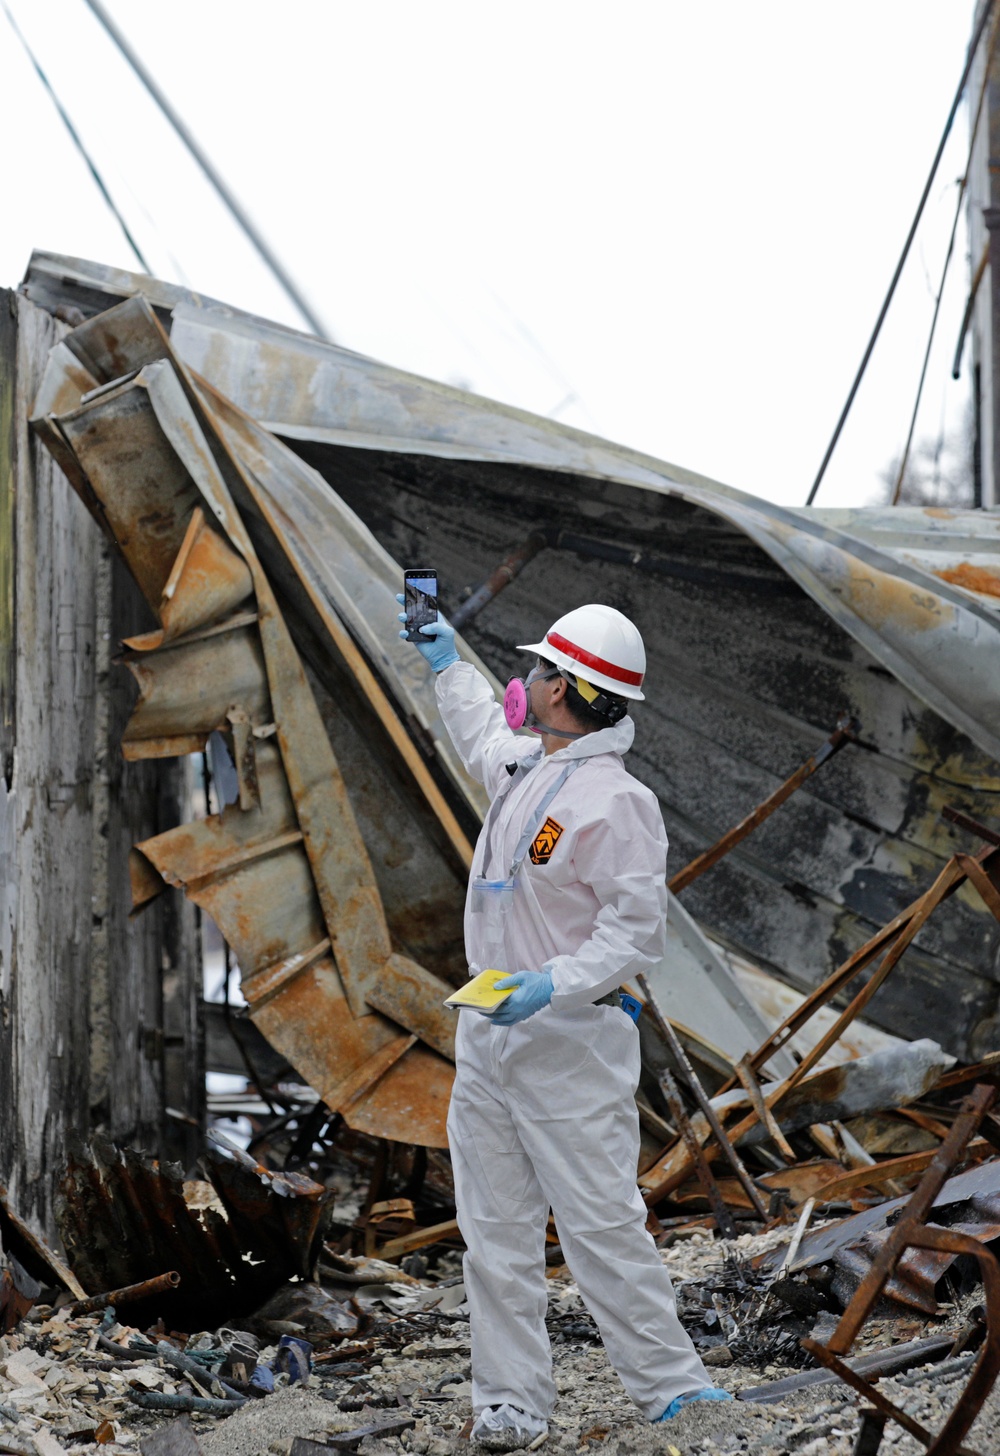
(420, 601)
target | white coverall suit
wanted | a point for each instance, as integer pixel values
(543, 1112)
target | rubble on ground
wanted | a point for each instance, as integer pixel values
(66, 1382)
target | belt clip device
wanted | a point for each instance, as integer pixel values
(630, 1006)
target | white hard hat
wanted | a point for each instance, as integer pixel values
(598, 644)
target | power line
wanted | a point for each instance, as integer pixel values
(962, 187)
(77, 141)
(970, 57)
(235, 208)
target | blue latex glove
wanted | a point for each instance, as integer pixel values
(710, 1392)
(534, 990)
(441, 652)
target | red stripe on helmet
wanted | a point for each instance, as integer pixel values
(590, 659)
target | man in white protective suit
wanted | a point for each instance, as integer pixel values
(568, 895)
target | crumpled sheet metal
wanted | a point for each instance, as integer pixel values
(969, 1203)
(916, 1276)
(288, 880)
(908, 583)
(935, 635)
(122, 1216)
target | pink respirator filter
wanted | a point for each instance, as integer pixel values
(515, 703)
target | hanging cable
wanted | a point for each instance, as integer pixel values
(77, 141)
(970, 57)
(962, 188)
(241, 217)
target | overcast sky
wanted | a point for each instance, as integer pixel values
(671, 223)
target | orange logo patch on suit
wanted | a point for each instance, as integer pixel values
(545, 842)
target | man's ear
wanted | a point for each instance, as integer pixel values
(559, 689)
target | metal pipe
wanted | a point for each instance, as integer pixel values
(235, 208)
(499, 578)
(970, 303)
(158, 1400)
(129, 1293)
(964, 821)
(180, 1361)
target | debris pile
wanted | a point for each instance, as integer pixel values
(401, 1380)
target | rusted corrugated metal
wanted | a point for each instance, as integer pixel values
(284, 871)
(122, 1215)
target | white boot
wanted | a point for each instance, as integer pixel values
(505, 1428)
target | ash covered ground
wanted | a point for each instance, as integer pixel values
(61, 1389)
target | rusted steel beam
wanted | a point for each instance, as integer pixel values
(844, 732)
(885, 1172)
(965, 821)
(129, 1293)
(680, 1056)
(910, 1231)
(500, 577)
(974, 1109)
(978, 1071)
(723, 1218)
(984, 1372)
(948, 881)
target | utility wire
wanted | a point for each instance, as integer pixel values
(962, 186)
(187, 137)
(77, 141)
(970, 57)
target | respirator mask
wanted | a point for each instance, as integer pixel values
(516, 703)
(517, 709)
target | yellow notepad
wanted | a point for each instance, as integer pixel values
(480, 993)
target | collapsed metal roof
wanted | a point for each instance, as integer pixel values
(764, 624)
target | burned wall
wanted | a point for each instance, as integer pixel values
(81, 987)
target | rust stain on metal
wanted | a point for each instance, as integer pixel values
(284, 871)
(974, 578)
(18, 1292)
(129, 1293)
